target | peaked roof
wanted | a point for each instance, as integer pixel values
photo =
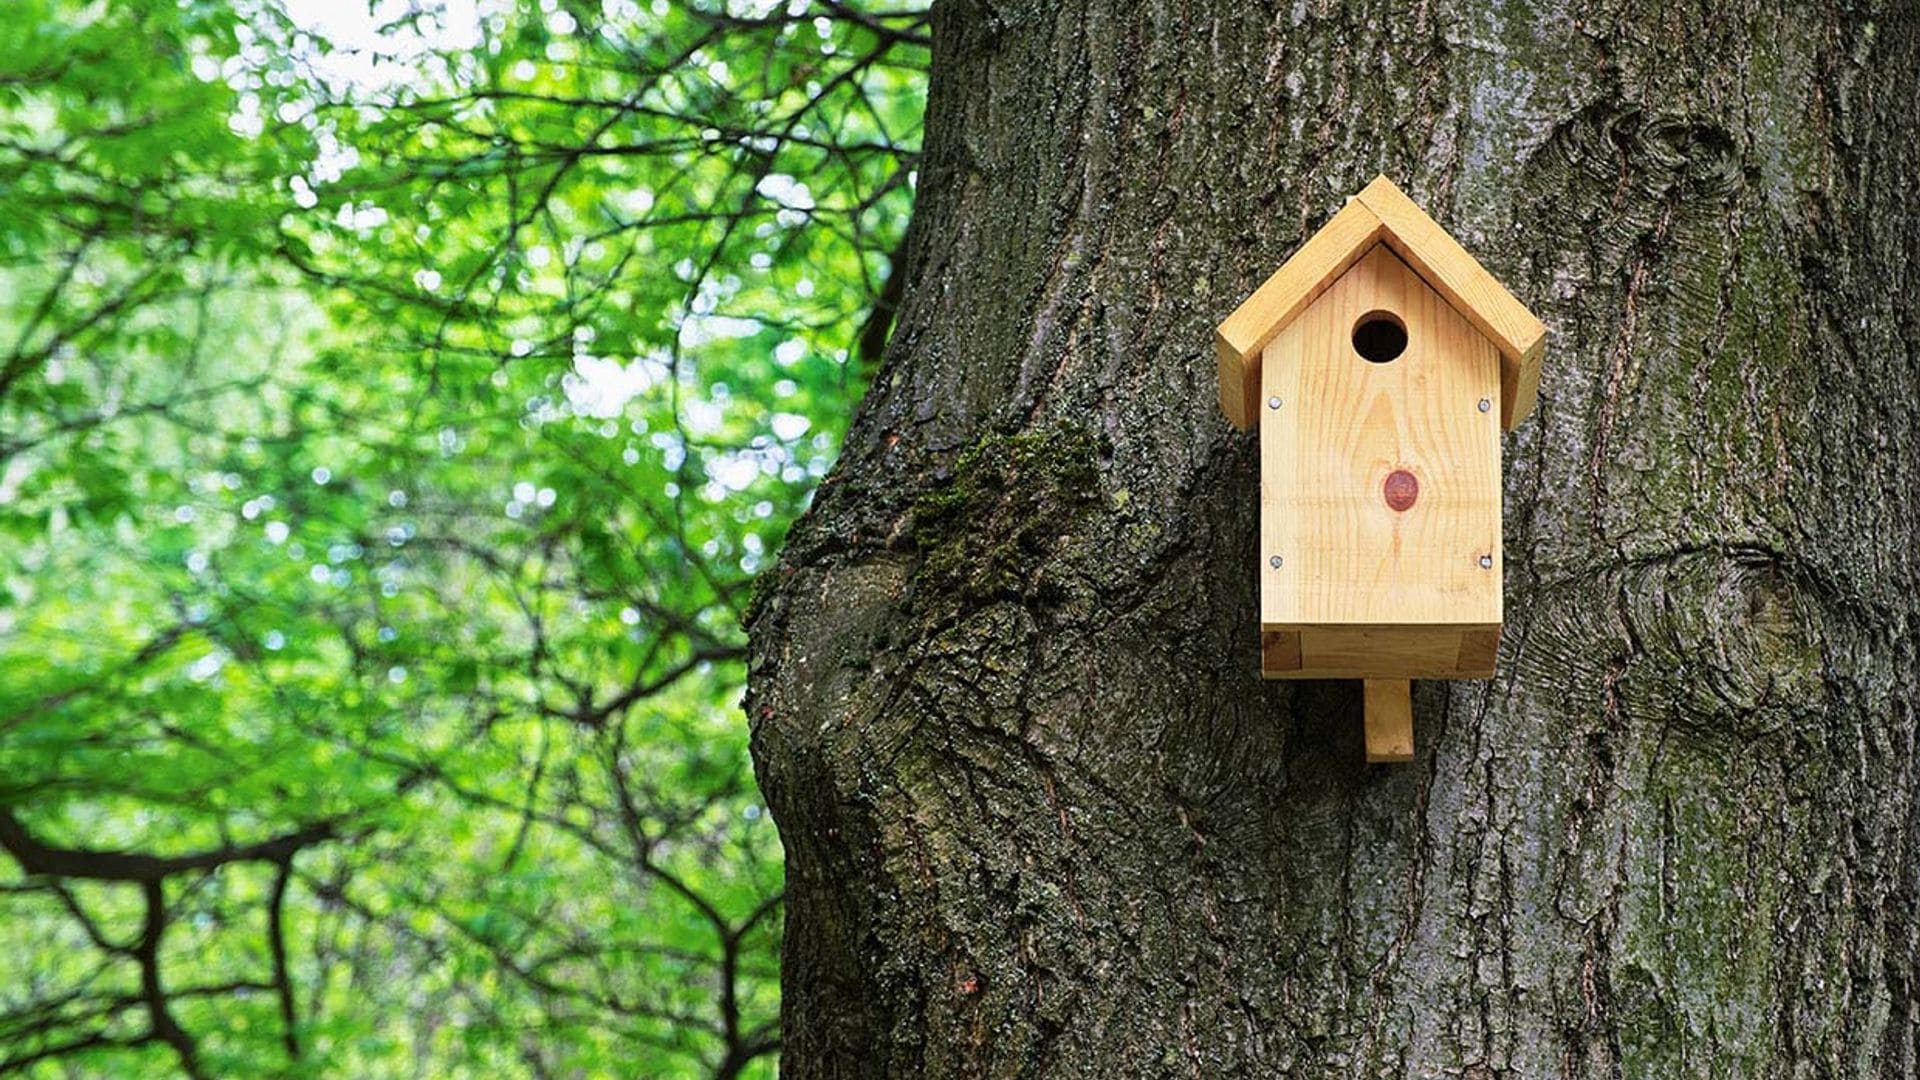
(1380, 214)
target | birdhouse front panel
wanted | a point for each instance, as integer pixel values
(1380, 484)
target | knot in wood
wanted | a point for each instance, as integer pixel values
(1401, 489)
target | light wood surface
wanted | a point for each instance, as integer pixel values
(1344, 424)
(1380, 482)
(1436, 256)
(1380, 213)
(1279, 300)
(1389, 720)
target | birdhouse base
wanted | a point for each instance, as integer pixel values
(1353, 651)
(1385, 658)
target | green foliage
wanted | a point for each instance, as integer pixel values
(396, 405)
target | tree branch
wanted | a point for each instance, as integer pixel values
(36, 857)
(277, 944)
(159, 1016)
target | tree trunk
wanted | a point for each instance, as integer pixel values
(1041, 816)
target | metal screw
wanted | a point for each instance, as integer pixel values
(1273, 403)
(1275, 562)
(1485, 404)
(1486, 562)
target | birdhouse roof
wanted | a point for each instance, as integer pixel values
(1380, 214)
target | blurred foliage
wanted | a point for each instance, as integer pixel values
(397, 400)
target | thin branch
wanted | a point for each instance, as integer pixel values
(90, 864)
(277, 944)
(159, 1017)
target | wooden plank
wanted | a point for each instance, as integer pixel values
(1381, 652)
(1239, 339)
(1517, 401)
(1343, 428)
(1389, 720)
(1239, 387)
(1279, 651)
(1478, 295)
(1385, 651)
(1478, 651)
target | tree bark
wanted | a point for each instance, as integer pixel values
(1041, 816)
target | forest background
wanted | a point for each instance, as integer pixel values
(397, 404)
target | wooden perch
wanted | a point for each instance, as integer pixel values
(1389, 719)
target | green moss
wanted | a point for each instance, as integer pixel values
(765, 584)
(989, 529)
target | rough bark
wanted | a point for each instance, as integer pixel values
(1041, 817)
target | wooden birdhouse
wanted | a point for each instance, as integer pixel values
(1381, 363)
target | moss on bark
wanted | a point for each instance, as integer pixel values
(990, 527)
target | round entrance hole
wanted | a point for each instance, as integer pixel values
(1379, 336)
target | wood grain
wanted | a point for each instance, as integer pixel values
(1362, 652)
(1286, 293)
(1380, 213)
(1436, 256)
(1344, 424)
(1479, 649)
(1389, 720)
(1279, 653)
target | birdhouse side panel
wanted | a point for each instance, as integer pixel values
(1380, 478)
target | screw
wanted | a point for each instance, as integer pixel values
(1273, 403)
(1485, 405)
(1275, 562)
(1486, 562)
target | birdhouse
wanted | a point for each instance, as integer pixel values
(1381, 364)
